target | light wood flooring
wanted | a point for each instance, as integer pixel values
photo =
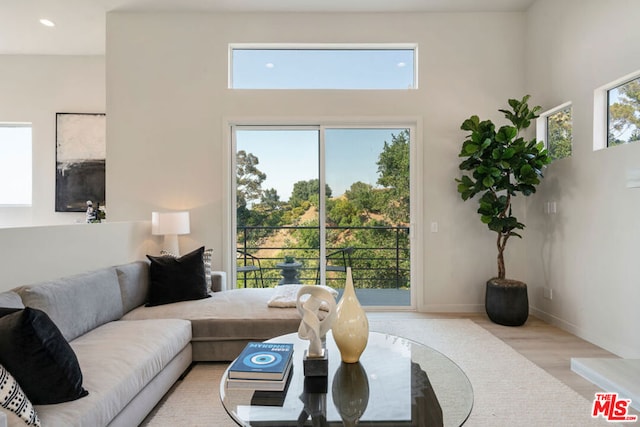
(547, 346)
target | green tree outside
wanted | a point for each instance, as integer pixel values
(624, 115)
(361, 218)
(559, 134)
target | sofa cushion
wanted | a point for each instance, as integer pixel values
(38, 356)
(207, 257)
(235, 314)
(118, 359)
(134, 284)
(13, 398)
(176, 279)
(10, 299)
(78, 303)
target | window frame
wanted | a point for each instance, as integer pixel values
(30, 172)
(601, 110)
(414, 123)
(542, 125)
(323, 46)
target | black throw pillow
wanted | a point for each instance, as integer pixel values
(176, 279)
(39, 358)
(8, 310)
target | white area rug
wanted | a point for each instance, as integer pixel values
(509, 390)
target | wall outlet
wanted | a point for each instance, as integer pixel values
(633, 178)
(434, 227)
(550, 208)
(547, 293)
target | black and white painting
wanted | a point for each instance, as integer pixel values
(80, 161)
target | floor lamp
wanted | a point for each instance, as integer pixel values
(170, 225)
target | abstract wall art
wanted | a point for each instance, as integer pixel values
(80, 160)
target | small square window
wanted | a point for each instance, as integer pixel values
(555, 128)
(623, 113)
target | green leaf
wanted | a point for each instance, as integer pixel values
(471, 123)
(526, 170)
(488, 181)
(470, 148)
(508, 153)
(486, 219)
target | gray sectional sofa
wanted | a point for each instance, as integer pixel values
(129, 354)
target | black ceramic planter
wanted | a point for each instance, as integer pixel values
(507, 302)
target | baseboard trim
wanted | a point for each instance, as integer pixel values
(612, 375)
(452, 308)
(601, 341)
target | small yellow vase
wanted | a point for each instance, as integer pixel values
(351, 326)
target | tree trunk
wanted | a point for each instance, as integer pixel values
(502, 242)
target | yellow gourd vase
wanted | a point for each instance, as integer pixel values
(351, 326)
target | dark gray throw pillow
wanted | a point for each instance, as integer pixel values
(39, 358)
(176, 279)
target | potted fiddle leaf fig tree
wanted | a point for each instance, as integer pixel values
(498, 165)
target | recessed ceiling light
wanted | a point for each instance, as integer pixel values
(269, 65)
(47, 23)
(401, 64)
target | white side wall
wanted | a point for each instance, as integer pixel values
(34, 254)
(167, 100)
(587, 253)
(33, 89)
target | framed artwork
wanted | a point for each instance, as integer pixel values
(80, 160)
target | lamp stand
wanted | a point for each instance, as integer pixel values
(170, 244)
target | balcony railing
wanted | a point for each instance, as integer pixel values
(380, 258)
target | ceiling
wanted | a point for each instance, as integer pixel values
(80, 24)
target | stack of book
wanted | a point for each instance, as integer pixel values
(262, 366)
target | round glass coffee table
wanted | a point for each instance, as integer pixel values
(397, 382)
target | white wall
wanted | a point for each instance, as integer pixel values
(167, 100)
(587, 253)
(34, 254)
(33, 89)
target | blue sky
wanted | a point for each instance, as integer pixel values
(323, 68)
(289, 156)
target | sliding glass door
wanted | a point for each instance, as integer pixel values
(359, 220)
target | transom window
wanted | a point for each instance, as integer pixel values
(335, 66)
(15, 164)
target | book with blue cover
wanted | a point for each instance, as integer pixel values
(262, 361)
(275, 386)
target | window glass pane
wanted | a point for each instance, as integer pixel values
(367, 217)
(624, 113)
(277, 202)
(323, 68)
(15, 164)
(364, 207)
(559, 139)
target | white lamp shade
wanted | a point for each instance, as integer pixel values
(163, 223)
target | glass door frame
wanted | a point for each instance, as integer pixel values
(416, 206)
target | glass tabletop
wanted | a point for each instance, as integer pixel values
(397, 382)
